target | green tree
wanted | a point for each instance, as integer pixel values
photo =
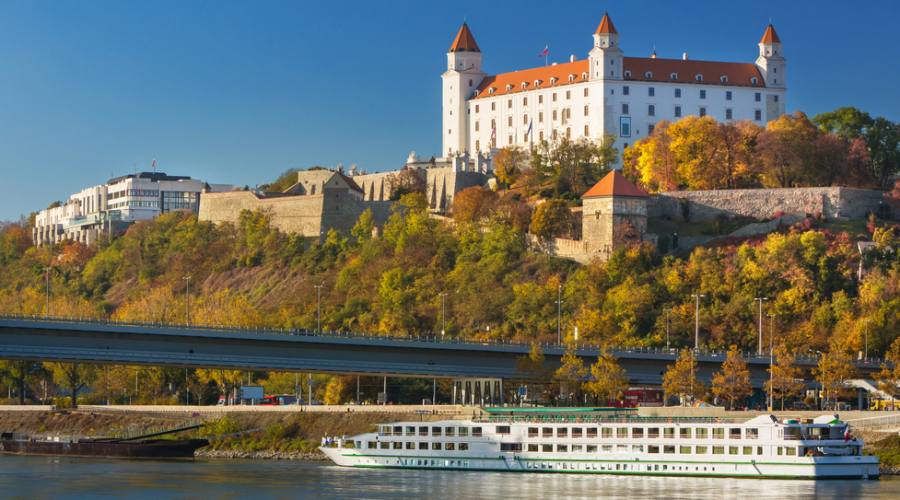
(74, 376)
(568, 168)
(732, 382)
(551, 219)
(20, 374)
(608, 379)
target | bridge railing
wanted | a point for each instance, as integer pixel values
(715, 354)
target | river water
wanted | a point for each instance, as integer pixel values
(65, 477)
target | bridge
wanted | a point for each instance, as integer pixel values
(66, 340)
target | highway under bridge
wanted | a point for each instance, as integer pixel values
(64, 340)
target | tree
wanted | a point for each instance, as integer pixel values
(568, 168)
(406, 181)
(787, 150)
(787, 380)
(883, 140)
(732, 382)
(551, 219)
(680, 379)
(834, 368)
(608, 379)
(74, 376)
(474, 203)
(533, 365)
(570, 375)
(334, 390)
(508, 164)
(20, 374)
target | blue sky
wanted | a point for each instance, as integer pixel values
(237, 92)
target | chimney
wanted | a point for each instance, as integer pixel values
(572, 58)
(653, 55)
(684, 56)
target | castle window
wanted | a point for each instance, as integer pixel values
(698, 77)
(586, 110)
(625, 90)
(677, 111)
(587, 132)
(650, 128)
(568, 94)
(525, 119)
(728, 114)
(648, 75)
(554, 115)
(493, 124)
(554, 97)
(476, 125)
(509, 121)
(775, 97)
(757, 97)
(510, 141)
(525, 137)
(540, 99)
(757, 115)
(553, 135)
(677, 93)
(584, 75)
(651, 91)
(477, 145)
(702, 111)
(476, 93)
(508, 87)
(651, 110)
(774, 69)
(571, 78)
(541, 117)
(524, 101)
(627, 74)
(553, 80)
(568, 132)
(493, 106)
(491, 90)
(524, 85)
(723, 79)
(541, 136)
(624, 108)
(476, 109)
(509, 104)
(537, 83)
(702, 94)
(673, 76)
(753, 80)
(585, 91)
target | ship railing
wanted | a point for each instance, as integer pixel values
(608, 420)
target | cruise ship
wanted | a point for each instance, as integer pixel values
(601, 441)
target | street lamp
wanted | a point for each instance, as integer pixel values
(319, 307)
(697, 297)
(187, 300)
(559, 302)
(771, 360)
(760, 300)
(47, 272)
(443, 313)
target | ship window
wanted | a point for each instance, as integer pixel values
(637, 448)
(684, 433)
(734, 433)
(561, 448)
(622, 432)
(790, 451)
(607, 448)
(386, 430)
(653, 449)
(576, 432)
(423, 446)
(684, 450)
(449, 431)
(780, 450)
(476, 431)
(384, 445)
(502, 429)
(532, 432)
(591, 448)
(747, 450)
(751, 433)
(532, 447)
(562, 432)
(398, 445)
(436, 445)
(547, 431)
(637, 432)
(463, 431)
(423, 431)
(622, 447)
(669, 433)
(759, 450)
(398, 430)
(464, 447)
(606, 432)
(701, 433)
(547, 448)
(701, 450)
(372, 445)
(718, 433)
(653, 432)
(591, 432)
(732, 450)
(510, 446)
(410, 446)
(577, 448)
(718, 450)
(669, 449)
(411, 431)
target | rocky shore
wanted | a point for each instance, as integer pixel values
(260, 455)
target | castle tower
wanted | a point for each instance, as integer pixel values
(614, 215)
(771, 62)
(462, 77)
(606, 56)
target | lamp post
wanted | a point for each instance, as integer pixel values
(697, 297)
(443, 313)
(47, 272)
(559, 302)
(187, 300)
(760, 300)
(319, 307)
(771, 361)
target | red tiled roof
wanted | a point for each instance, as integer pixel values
(770, 36)
(606, 26)
(660, 70)
(614, 184)
(464, 41)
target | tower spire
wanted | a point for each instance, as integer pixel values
(464, 41)
(606, 26)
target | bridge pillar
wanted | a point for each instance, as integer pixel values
(478, 391)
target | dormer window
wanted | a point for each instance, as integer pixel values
(698, 77)
(537, 83)
(571, 78)
(553, 80)
(508, 87)
(491, 90)
(475, 94)
(648, 75)
(627, 74)
(723, 79)
(584, 76)
(753, 80)
(673, 76)
(524, 85)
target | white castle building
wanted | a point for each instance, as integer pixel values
(607, 93)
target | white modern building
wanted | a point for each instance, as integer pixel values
(606, 93)
(110, 208)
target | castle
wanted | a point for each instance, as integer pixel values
(605, 94)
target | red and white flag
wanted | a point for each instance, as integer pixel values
(545, 52)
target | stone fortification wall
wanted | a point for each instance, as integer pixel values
(441, 185)
(831, 202)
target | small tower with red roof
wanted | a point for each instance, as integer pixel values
(606, 58)
(614, 215)
(771, 62)
(462, 78)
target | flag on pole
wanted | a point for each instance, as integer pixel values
(494, 136)
(528, 132)
(153, 164)
(545, 52)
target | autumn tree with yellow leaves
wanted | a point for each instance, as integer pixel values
(732, 382)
